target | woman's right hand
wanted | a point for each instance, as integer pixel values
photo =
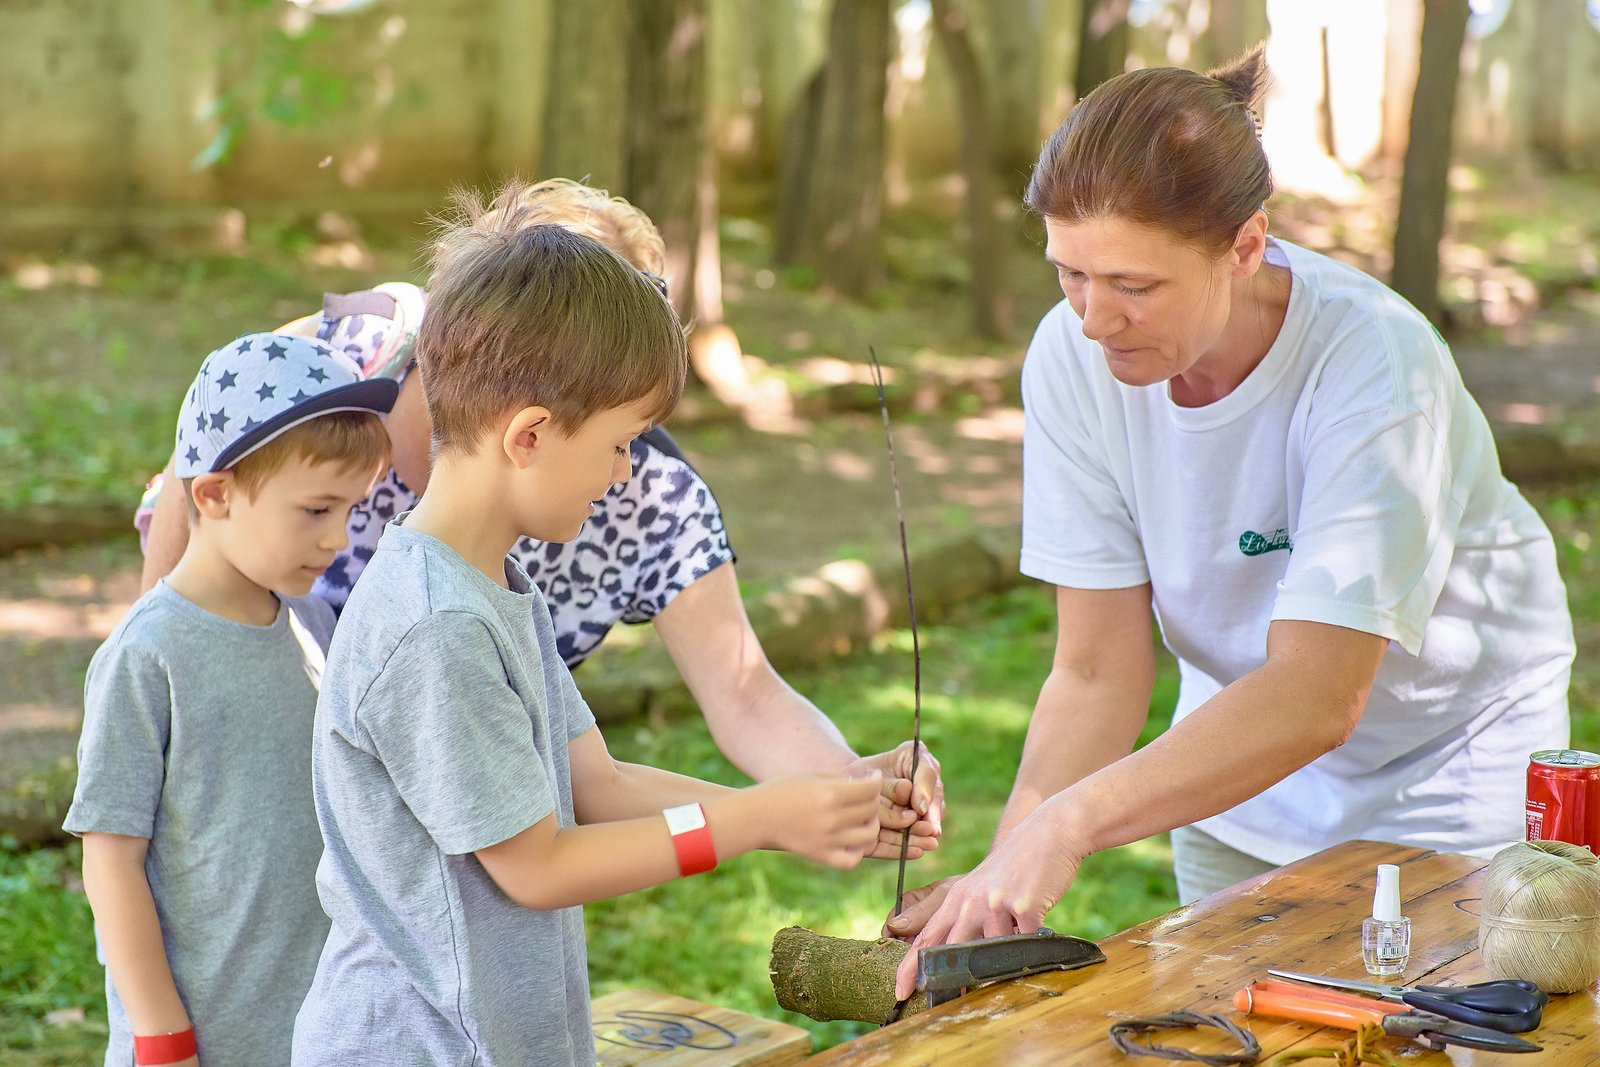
(825, 818)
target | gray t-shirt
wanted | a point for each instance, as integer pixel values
(443, 728)
(197, 736)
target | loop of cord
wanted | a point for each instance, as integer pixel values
(1125, 1036)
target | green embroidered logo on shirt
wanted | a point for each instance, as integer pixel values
(1255, 544)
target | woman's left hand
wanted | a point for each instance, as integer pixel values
(1009, 892)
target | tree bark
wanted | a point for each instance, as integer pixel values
(585, 127)
(667, 131)
(832, 215)
(1233, 27)
(1102, 44)
(775, 25)
(1404, 31)
(1014, 54)
(794, 169)
(991, 301)
(1424, 186)
(1556, 24)
(827, 978)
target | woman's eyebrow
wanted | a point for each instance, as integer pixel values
(1126, 275)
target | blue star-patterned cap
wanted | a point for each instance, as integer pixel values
(254, 388)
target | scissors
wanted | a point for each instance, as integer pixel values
(1350, 1012)
(1512, 1006)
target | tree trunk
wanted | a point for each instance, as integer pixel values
(774, 27)
(795, 164)
(1325, 129)
(1555, 24)
(1400, 48)
(667, 131)
(1424, 186)
(585, 128)
(827, 978)
(1233, 27)
(1102, 44)
(1014, 55)
(833, 214)
(991, 302)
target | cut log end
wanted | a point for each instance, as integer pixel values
(828, 978)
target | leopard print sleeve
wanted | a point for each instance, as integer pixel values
(646, 542)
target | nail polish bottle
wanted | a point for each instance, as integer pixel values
(1386, 937)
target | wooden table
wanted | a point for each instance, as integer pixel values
(1305, 916)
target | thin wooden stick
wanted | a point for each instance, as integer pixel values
(916, 647)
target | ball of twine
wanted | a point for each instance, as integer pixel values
(1540, 918)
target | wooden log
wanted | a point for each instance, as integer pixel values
(827, 978)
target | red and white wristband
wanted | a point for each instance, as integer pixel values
(154, 1049)
(691, 838)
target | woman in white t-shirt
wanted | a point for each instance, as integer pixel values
(1274, 454)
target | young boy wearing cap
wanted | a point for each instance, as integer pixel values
(193, 798)
(468, 804)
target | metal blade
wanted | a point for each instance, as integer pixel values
(948, 968)
(1388, 992)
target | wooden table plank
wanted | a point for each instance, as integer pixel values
(1305, 916)
(643, 1028)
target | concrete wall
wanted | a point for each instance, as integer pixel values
(105, 103)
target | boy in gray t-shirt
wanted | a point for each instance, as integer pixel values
(468, 804)
(194, 769)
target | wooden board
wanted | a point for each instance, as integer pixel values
(1304, 917)
(638, 1027)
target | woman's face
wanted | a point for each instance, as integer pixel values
(1156, 305)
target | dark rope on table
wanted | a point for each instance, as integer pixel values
(1125, 1035)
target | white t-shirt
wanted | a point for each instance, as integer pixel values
(1351, 480)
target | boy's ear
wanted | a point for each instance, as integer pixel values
(213, 493)
(527, 430)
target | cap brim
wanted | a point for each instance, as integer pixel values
(372, 394)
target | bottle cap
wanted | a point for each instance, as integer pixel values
(1386, 901)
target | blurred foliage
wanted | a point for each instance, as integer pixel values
(268, 74)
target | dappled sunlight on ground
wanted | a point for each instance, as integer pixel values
(54, 620)
(56, 606)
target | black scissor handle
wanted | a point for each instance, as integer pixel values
(1512, 1007)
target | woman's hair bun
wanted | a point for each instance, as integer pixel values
(1245, 77)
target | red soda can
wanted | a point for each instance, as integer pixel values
(1564, 797)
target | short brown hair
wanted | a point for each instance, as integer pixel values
(1165, 147)
(523, 314)
(353, 440)
(611, 220)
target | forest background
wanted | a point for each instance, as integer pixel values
(829, 176)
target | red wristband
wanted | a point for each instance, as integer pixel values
(691, 837)
(164, 1048)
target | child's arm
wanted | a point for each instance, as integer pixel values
(831, 820)
(130, 935)
(607, 790)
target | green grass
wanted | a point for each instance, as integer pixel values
(1574, 517)
(47, 962)
(709, 938)
(706, 938)
(89, 380)
(79, 444)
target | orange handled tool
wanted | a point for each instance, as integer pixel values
(1350, 1012)
(1322, 1006)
